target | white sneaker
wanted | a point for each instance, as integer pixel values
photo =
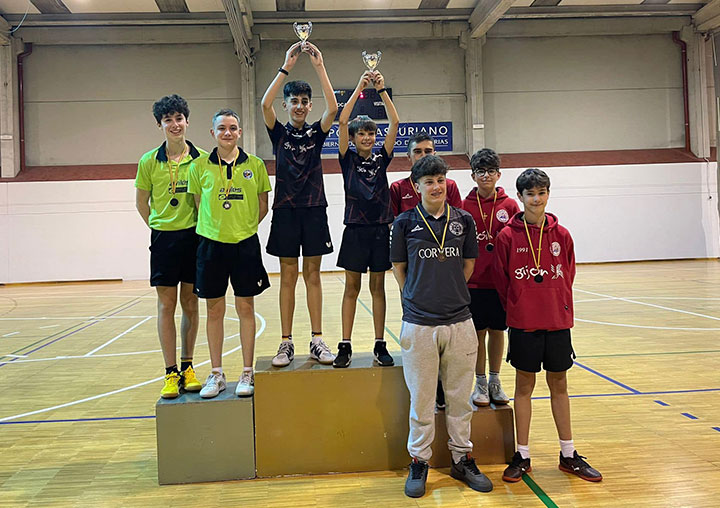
(480, 395)
(214, 384)
(285, 354)
(246, 385)
(497, 395)
(321, 352)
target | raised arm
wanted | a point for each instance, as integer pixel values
(331, 107)
(344, 119)
(291, 57)
(392, 113)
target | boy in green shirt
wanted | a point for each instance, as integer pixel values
(231, 193)
(162, 200)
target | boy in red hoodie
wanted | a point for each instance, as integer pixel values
(534, 268)
(492, 209)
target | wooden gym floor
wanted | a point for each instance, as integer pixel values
(80, 367)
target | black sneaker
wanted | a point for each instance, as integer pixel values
(466, 471)
(417, 476)
(518, 467)
(344, 356)
(382, 357)
(576, 465)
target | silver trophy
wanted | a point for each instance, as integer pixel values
(371, 60)
(303, 30)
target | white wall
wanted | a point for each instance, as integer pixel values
(90, 229)
(549, 94)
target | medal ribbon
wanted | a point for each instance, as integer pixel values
(482, 215)
(447, 220)
(176, 175)
(230, 173)
(532, 249)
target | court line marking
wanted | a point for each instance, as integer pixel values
(48, 326)
(360, 301)
(118, 336)
(606, 378)
(74, 420)
(616, 355)
(10, 334)
(647, 327)
(688, 415)
(120, 390)
(664, 404)
(663, 307)
(17, 356)
(539, 492)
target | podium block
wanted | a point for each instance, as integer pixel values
(200, 440)
(315, 419)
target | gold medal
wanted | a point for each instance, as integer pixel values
(441, 256)
(174, 174)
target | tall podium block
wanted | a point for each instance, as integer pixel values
(200, 440)
(315, 419)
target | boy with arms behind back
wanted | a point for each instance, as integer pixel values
(534, 269)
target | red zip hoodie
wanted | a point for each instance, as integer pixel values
(547, 305)
(501, 209)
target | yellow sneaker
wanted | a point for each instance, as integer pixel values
(172, 386)
(190, 382)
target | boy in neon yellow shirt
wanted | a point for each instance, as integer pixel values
(163, 202)
(231, 192)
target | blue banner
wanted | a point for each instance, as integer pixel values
(441, 132)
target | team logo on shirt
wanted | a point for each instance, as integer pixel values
(557, 271)
(502, 215)
(456, 228)
(555, 249)
(416, 229)
(408, 196)
(248, 174)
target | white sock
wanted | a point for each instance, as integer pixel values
(347, 341)
(494, 377)
(567, 448)
(524, 451)
(247, 369)
(316, 338)
(216, 369)
(480, 379)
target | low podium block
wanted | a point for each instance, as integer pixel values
(315, 419)
(200, 440)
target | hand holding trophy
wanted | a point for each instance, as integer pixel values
(371, 60)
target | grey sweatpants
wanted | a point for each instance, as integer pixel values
(451, 351)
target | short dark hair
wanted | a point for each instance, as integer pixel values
(419, 138)
(361, 123)
(297, 88)
(531, 179)
(430, 165)
(170, 104)
(485, 159)
(225, 112)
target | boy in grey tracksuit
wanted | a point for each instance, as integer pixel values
(433, 249)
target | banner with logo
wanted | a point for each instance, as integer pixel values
(441, 132)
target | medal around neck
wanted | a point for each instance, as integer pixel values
(303, 30)
(489, 247)
(371, 60)
(174, 202)
(442, 257)
(538, 278)
(227, 205)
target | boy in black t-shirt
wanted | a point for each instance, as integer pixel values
(366, 240)
(299, 208)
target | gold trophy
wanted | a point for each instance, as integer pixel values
(371, 60)
(303, 30)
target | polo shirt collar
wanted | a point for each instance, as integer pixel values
(161, 155)
(242, 156)
(427, 215)
(301, 130)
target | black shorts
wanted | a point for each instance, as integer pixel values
(365, 246)
(486, 309)
(292, 228)
(527, 350)
(240, 262)
(172, 256)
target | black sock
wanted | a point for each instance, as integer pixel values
(185, 363)
(171, 369)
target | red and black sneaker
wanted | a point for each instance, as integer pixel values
(518, 467)
(576, 465)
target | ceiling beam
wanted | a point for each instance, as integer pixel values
(5, 28)
(51, 6)
(290, 5)
(433, 4)
(239, 19)
(545, 3)
(486, 14)
(172, 5)
(708, 18)
(600, 11)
